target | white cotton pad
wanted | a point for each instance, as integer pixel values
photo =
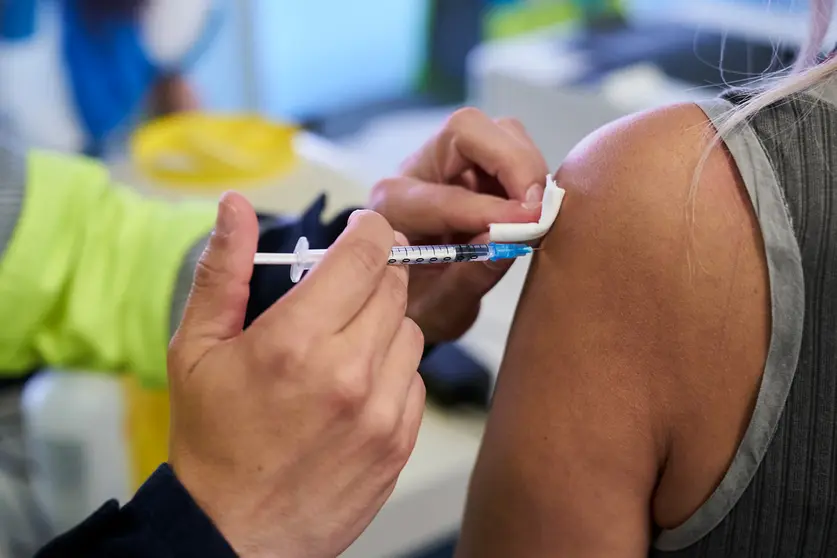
(553, 196)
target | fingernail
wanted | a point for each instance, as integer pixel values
(225, 221)
(355, 214)
(534, 197)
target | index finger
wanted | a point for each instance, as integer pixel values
(340, 285)
(470, 138)
(427, 209)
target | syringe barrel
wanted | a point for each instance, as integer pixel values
(411, 255)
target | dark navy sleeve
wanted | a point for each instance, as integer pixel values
(162, 521)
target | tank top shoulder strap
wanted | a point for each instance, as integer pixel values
(755, 160)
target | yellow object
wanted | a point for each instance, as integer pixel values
(505, 21)
(518, 18)
(203, 150)
(147, 428)
(88, 279)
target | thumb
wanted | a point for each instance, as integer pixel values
(217, 304)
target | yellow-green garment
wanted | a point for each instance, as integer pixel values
(92, 275)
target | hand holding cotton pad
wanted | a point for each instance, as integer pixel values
(553, 196)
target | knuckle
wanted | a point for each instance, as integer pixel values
(404, 440)
(379, 426)
(381, 193)
(350, 387)
(286, 352)
(403, 448)
(397, 287)
(213, 273)
(522, 165)
(206, 271)
(511, 124)
(421, 394)
(176, 358)
(413, 336)
(292, 356)
(464, 116)
(522, 159)
(369, 255)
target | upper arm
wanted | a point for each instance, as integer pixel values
(620, 307)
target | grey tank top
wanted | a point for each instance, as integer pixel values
(779, 497)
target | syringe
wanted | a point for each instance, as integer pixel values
(304, 258)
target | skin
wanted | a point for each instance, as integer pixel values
(325, 381)
(173, 94)
(636, 352)
(474, 172)
(640, 394)
(291, 435)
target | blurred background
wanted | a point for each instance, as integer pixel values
(343, 91)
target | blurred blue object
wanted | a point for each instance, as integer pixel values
(322, 56)
(109, 71)
(17, 19)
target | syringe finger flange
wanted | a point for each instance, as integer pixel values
(301, 252)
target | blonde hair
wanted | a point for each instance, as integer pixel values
(806, 73)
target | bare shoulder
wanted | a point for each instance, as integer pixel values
(640, 172)
(667, 230)
(638, 341)
(657, 207)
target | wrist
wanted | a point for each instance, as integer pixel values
(235, 514)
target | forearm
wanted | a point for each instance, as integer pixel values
(161, 520)
(91, 275)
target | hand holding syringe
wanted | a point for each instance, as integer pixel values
(304, 258)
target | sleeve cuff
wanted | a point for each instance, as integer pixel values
(175, 518)
(184, 283)
(12, 193)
